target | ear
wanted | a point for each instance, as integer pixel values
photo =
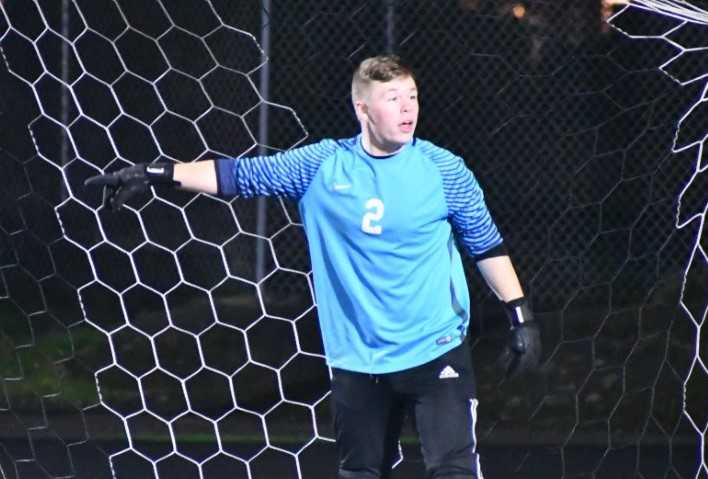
(360, 109)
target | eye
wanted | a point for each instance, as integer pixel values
(393, 98)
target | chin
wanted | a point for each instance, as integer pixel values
(399, 143)
(406, 138)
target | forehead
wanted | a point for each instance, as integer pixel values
(398, 84)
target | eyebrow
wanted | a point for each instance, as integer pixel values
(396, 90)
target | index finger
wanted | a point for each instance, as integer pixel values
(102, 180)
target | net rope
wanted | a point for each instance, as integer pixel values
(264, 425)
(678, 9)
(689, 213)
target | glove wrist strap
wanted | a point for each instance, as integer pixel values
(161, 174)
(518, 311)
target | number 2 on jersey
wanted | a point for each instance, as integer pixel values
(375, 211)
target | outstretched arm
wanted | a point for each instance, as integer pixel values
(282, 174)
(199, 176)
(121, 185)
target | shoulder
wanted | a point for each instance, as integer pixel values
(323, 145)
(311, 155)
(446, 161)
(329, 146)
(434, 152)
(338, 143)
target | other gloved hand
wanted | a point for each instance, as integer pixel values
(523, 350)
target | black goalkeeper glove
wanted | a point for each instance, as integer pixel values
(121, 185)
(523, 350)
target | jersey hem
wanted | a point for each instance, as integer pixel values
(419, 360)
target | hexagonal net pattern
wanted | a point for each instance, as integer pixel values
(690, 138)
(203, 342)
(179, 337)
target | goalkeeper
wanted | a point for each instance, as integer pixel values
(381, 212)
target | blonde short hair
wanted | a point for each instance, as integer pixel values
(382, 68)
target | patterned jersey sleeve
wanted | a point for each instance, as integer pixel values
(467, 210)
(285, 174)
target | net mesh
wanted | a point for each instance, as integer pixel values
(179, 337)
(686, 67)
(678, 9)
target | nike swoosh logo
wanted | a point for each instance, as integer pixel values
(340, 187)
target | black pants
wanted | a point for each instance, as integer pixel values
(369, 412)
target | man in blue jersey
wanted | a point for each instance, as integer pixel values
(381, 212)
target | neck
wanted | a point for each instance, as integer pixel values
(378, 148)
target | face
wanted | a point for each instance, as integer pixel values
(388, 113)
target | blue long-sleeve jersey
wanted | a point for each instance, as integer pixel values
(389, 282)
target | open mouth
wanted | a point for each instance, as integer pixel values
(406, 125)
